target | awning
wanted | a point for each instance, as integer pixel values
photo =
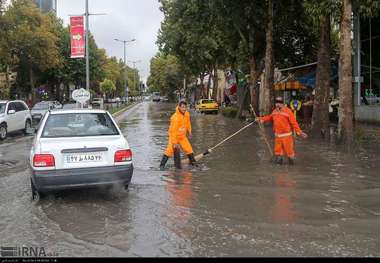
(289, 85)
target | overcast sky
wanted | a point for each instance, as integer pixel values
(124, 19)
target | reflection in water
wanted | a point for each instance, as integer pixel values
(283, 210)
(181, 201)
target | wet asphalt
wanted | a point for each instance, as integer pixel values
(236, 203)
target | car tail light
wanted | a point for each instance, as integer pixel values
(123, 156)
(43, 160)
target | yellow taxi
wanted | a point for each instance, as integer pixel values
(207, 105)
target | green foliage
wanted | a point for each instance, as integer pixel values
(166, 74)
(107, 86)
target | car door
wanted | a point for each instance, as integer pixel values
(11, 118)
(20, 115)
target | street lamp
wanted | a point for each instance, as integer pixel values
(134, 67)
(125, 62)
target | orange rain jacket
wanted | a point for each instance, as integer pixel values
(284, 122)
(180, 125)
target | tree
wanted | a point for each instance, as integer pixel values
(166, 74)
(345, 125)
(29, 41)
(107, 87)
(269, 63)
(322, 12)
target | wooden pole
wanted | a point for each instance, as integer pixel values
(262, 131)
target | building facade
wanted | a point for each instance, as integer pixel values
(47, 5)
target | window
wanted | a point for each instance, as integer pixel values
(79, 125)
(20, 106)
(2, 107)
(11, 106)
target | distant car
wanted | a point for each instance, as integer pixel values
(40, 108)
(79, 148)
(207, 105)
(156, 97)
(14, 116)
(98, 103)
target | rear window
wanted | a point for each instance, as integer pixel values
(41, 106)
(207, 101)
(78, 125)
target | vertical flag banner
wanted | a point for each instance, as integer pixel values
(77, 37)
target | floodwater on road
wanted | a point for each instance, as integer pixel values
(236, 203)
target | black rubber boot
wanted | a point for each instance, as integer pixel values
(177, 159)
(291, 161)
(278, 160)
(163, 162)
(192, 160)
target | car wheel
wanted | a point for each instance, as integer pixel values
(36, 196)
(28, 125)
(3, 132)
(126, 187)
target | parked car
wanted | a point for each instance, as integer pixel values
(40, 108)
(79, 148)
(70, 106)
(164, 99)
(14, 116)
(206, 105)
(97, 103)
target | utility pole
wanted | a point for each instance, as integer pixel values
(135, 70)
(87, 51)
(125, 62)
(87, 14)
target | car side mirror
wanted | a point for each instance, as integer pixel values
(31, 131)
(11, 112)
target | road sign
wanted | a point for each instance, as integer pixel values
(81, 95)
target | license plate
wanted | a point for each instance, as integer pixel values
(84, 158)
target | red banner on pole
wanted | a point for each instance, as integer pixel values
(77, 37)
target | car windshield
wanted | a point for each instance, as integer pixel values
(79, 125)
(2, 107)
(207, 101)
(41, 106)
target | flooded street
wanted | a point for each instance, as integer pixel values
(236, 203)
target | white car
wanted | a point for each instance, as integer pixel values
(79, 148)
(14, 116)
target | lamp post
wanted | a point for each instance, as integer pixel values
(87, 14)
(135, 71)
(125, 62)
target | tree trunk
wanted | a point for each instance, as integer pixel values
(32, 85)
(208, 84)
(320, 119)
(254, 75)
(216, 85)
(345, 126)
(269, 63)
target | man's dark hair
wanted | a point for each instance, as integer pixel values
(182, 103)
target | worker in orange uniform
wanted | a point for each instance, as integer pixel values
(284, 122)
(180, 126)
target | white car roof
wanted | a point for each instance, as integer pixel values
(5, 101)
(68, 111)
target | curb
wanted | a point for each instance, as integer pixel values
(125, 109)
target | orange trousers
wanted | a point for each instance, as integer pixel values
(284, 145)
(185, 145)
